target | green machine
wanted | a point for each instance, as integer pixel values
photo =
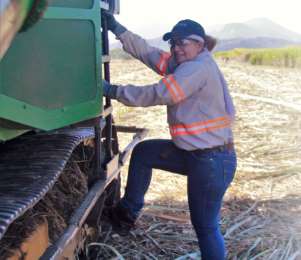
(50, 76)
(55, 129)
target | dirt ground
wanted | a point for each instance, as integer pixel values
(261, 213)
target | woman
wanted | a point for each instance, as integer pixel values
(200, 114)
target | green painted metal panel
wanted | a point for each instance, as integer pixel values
(72, 3)
(51, 75)
(57, 66)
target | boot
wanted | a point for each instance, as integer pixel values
(121, 219)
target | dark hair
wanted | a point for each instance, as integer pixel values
(210, 42)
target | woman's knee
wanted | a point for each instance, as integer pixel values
(149, 147)
(141, 148)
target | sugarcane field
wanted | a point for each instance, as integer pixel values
(150, 130)
(261, 210)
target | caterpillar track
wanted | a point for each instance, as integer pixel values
(29, 166)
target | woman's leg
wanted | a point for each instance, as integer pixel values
(209, 176)
(158, 154)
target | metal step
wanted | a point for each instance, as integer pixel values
(113, 168)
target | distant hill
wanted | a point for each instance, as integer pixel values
(157, 42)
(268, 28)
(255, 33)
(259, 42)
(234, 31)
(260, 27)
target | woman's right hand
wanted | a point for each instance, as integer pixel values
(111, 21)
(113, 25)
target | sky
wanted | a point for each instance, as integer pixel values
(152, 18)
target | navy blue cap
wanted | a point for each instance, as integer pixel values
(183, 29)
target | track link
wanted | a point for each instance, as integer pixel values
(29, 167)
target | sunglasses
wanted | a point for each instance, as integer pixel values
(182, 43)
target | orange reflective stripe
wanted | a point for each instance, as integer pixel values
(210, 121)
(200, 127)
(199, 131)
(171, 91)
(174, 88)
(162, 64)
(178, 88)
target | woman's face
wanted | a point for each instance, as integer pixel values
(185, 49)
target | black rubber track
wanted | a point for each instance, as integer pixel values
(29, 167)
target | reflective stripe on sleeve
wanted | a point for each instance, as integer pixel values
(162, 64)
(174, 88)
(171, 91)
(200, 127)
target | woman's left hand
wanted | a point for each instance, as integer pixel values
(109, 90)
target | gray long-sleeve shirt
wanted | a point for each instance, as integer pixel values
(195, 93)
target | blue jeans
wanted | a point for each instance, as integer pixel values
(209, 174)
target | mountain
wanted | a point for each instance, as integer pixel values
(258, 42)
(268, 28)
(259, 27)
(255, 33)
(159, 43)
(235, 30)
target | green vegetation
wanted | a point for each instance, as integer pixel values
(289, 57)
